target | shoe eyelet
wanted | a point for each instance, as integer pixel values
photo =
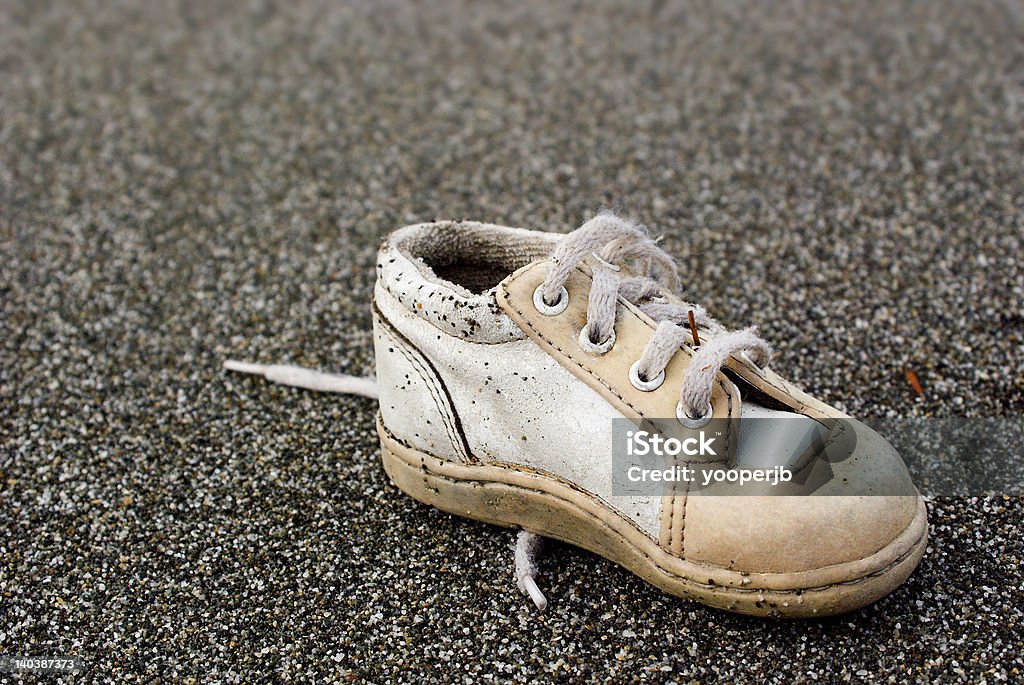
(690, 422)
(642, 385)
(596, 347)
(550, 309)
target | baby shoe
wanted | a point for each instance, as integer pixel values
(509, 364)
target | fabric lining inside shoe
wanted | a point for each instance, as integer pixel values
(476, 276)
(474, 261)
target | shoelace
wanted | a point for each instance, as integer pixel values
(610, 240)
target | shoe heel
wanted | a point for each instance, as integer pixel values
(470, 498)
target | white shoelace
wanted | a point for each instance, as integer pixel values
(301, 377)
(611, 241)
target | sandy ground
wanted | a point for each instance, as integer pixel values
(189, 181)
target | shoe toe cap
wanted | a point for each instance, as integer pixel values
(863, 501)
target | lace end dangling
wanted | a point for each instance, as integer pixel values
(527, 546)
(299, 377)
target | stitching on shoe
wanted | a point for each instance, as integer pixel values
(505, 297)
(682, 522)
(449, 418)
(431, 387)
(670, 501)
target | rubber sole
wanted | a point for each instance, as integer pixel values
(514, 497)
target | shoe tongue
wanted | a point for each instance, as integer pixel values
(774, 437)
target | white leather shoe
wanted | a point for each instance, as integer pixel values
(506, 357)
